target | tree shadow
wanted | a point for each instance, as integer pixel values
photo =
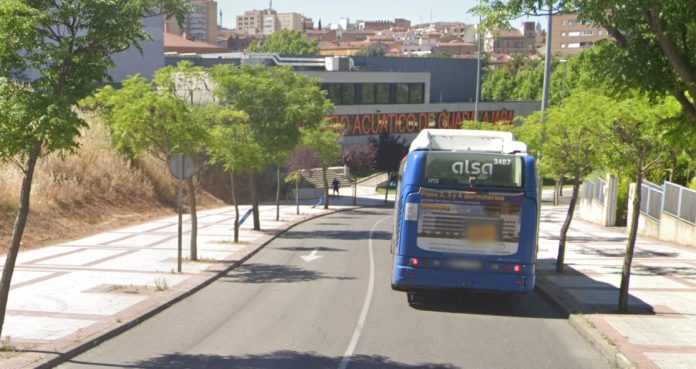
(575, 292)
(268, 273)
(339, 235)
(309, 249)
(479, 303)
(278, 359)
(620, 252)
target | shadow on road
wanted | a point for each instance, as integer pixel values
(308, 249)
(339, 235)
(268, 273)
(523, 306)
(277, 359)
(579, 293)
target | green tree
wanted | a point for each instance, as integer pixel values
(143, 117)
(278, 101)
(638, 125)
(521, 79)
(370, 51)
(286, 42)
(571, 143)
(324, 141)
(233, 146)
(67, 46)
(652, 41)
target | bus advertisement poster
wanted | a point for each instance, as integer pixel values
(471, 222)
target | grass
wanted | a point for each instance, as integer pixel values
(91, 189)
(161, 284)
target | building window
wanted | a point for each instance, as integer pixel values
(382, 93)
(348, 94)
(367, 93)
(402, 93)
(416, 93)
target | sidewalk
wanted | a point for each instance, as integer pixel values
(71, 296)
(660, 329)
(76, 294)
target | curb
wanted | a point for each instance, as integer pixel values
(586, 329)
(152, 307)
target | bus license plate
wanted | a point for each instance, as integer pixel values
(464, 264)
(482, 233)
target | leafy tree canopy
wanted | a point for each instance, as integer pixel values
(286, 42)
(653, 41)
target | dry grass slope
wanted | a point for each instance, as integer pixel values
(94, 189)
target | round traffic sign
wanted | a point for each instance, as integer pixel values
(181, 166)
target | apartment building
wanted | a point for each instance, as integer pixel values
(571, 36)
(268, 21)
(512, 41)
(382, 25)
(200, 24)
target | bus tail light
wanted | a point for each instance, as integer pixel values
(414, 262)
(517, 268)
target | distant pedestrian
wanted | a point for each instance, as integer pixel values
(335, 185)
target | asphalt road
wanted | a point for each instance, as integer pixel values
(334, 308)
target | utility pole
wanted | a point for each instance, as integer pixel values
(478, 69)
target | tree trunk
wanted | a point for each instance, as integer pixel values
(355, 190)
(566, 225)
(194, 219)
(557, 190)
(297, 196)
(631, 244)
(18, 231)
(254, 201)
(277, 218)
(236, 208)
(326, 186)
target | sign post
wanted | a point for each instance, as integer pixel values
(181, 166)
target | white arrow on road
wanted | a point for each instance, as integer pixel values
(312, 256)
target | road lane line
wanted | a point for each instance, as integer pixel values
(366, 305)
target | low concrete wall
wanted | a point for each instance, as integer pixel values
(678, 231)
(307, 193)
(594, 211)
(668, 228)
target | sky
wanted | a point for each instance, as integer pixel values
(417, 11)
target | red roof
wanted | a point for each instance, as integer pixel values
(180, 44)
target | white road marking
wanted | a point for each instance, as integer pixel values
(366, 305)
(312, 256)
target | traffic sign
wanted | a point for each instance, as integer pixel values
(182, 166)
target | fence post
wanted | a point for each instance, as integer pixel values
(631, 194)
(610, 201)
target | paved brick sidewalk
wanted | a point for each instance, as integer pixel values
(75, 294)
(660, 329)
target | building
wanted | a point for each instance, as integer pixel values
(376, 96)
(200, 24)
(381, 25)
(182, 45)
(571, 36)
(512, 41)
(236, 40)
(268, 21)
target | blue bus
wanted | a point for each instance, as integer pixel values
(466, 214)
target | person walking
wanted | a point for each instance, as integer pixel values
(335, 185)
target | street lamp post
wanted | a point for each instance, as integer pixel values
(478, 69)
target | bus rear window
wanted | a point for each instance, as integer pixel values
(448, 168)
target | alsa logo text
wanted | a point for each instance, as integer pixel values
(472, 167)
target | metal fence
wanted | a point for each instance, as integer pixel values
(651, 200)
(594, 189)
(680, 202)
